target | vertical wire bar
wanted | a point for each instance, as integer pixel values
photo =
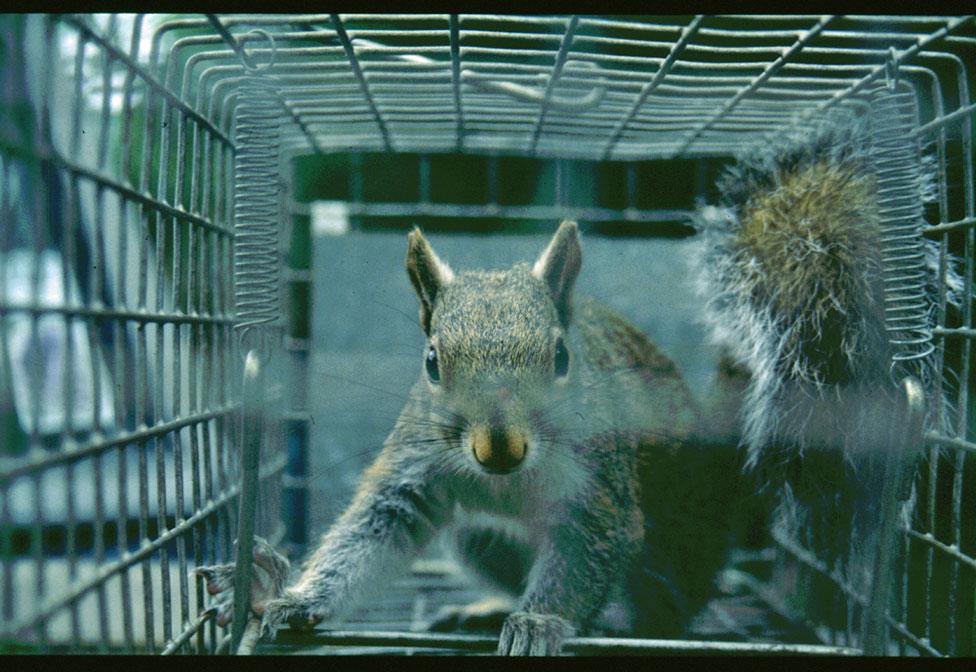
(933, 477)
(220, 354)
(962, 428)
(251, 439)
(904, 435)
(196, 346)
(125, 301)
(68, 266)
(158, 443)
(756, 83)
(631, 185)
(424, 170)
(212, 529)
(158, 117)
(212, 355)
(143, 371)
(963, 396)
(7, 559)
(361, 79)
(178, 332)
(99, 260)
(39, 241)
(295, 486)
(455, 36)
(153, 371)
(848, 608)
(905, 567)
(560, 192)
(493, 181)
(162, 336)
(121, 396)
(128, 90)
(557, 70)
(687, 33)
(193, 353)
(141, 386)
(6, 539)
(225, 427)
(356, 178)
(256, 261)
(6, 522)
(940, 318)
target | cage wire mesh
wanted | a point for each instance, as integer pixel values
(121, 389)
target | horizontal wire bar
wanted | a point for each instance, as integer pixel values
(951, 226)
(571, 645)
(106, 572)
(504, 211)
(144, 316)
(56, 159)
(807, 558)
(919, 643)
(11, 468)
(148, 77)
(947, 119)
(188, 632)
(950, 550)
(949, 441)
(149, 547)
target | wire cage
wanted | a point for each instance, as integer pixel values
(154, 392)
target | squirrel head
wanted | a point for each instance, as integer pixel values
(496, 346)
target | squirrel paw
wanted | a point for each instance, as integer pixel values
(526, 634)
(485, 615)
(270, 570)
(298, 612)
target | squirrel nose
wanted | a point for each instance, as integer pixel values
(498, 450)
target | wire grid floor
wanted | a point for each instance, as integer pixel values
(741, 612)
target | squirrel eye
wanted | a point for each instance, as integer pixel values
(430, 362)
(562, 359)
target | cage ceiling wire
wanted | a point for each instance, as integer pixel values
(158, 307)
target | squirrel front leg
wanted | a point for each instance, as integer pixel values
(391, 519)
(395, 513)
(573, 574)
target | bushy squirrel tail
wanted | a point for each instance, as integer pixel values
(789, 270)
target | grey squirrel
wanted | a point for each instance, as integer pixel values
(562, 445)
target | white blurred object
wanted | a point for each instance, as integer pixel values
(45, 357)
(330, 218)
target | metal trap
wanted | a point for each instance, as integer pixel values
(156, 205)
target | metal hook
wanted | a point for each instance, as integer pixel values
(518, 91)
(891, 70)
(246, 59)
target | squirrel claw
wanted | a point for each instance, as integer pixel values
(297, 613)
(270, 570)
(526, 634)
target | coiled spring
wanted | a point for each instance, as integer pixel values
(256, 203)
(898, 159)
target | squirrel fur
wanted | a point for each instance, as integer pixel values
(790, 273)
(559, 443)
(791, 278)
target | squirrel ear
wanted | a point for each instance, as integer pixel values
(558, 267)
(427, 274)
